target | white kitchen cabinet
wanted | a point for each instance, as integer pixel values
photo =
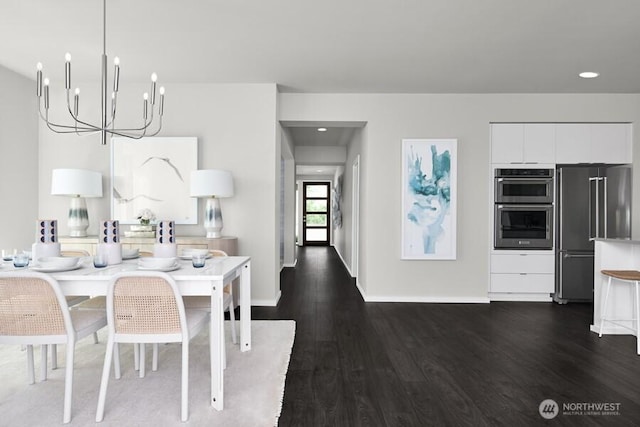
(522, 283)
(593, 143)
(507, 142)
(522, 143)
(539, 143)
(522, 272)
(611, 142)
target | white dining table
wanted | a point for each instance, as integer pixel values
(206, 281)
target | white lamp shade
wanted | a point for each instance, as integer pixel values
(211, 182)
(76, 182)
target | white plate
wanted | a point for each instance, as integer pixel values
(54, 269)
(131, 256)
(166, 269)
(188, 257)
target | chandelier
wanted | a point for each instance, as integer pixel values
(108, 115)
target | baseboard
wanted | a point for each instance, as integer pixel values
(343, 262)
(265, 302)
(362, 294)
(290, 265)
(532, 297)
(427, 299)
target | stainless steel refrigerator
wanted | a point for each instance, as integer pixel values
(593, 201)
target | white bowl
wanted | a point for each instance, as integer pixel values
(58, 261)
(194, 251)
(153, 262)
(130, 253)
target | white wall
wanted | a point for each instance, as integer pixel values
(343, 236)
(392, 117)
(18, 161)
(236, 129)
(319, 155)
(289, 259)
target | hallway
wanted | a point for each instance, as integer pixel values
(388, 364)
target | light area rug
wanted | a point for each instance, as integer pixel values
(253, 384)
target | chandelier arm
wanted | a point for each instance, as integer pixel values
(75, 118)
(50, 124)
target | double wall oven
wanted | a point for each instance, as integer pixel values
(523, 209)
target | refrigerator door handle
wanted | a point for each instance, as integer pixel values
(565, 255)
(593, 182)
(606, 204)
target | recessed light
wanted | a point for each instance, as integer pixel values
(318, 170)
(322, 129)
(588, 75)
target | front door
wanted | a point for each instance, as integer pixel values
(315, 213)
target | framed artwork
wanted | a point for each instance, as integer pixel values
(429, 199)
(154, 174)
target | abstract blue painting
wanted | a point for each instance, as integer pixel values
(429, 198)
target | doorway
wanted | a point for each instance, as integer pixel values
(316, 216)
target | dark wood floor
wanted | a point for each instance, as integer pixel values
(389, 364)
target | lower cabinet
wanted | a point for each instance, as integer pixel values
(522, 275)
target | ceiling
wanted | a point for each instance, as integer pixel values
(357, 46)
(335, 46)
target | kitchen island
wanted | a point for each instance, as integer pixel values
(615, 254)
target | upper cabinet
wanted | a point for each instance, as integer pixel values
(523, 143)
(593, 143)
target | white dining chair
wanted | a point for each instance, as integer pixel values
(204, 303)
(146, 307)
(34, 311)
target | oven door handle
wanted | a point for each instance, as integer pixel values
(518, 206)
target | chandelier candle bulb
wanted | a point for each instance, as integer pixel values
(46, 93)
(116, 74)
(76, 101)
(145, 106)
(39, 79)
(67, 71)
(154, 77)
(161, 106)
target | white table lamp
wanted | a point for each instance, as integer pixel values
(77, 184)
(212, 184)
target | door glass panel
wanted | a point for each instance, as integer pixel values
(316, 205)
(316, 234)
(316, 191)
(317, 219)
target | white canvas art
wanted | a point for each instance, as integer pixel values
(153, 173)
(429, 199)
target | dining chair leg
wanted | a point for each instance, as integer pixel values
(95, 338)
(185, 382)
(43, 362)
(116, 360)
(32, 376)
(232, 318)
(142, 359)
(136, 356)
(54, 356)
(68, 381)
(154, 363)
(104, 382)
